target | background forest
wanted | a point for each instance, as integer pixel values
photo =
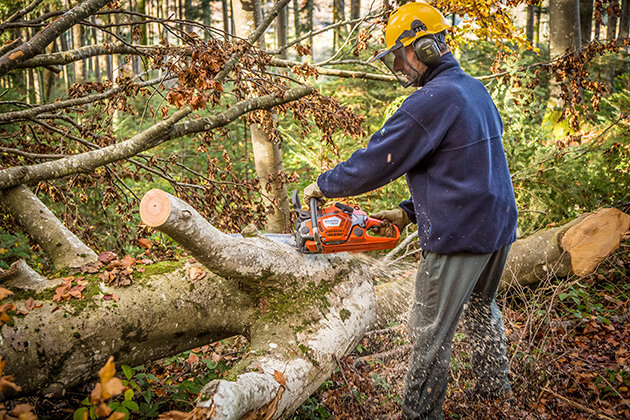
(231, 129)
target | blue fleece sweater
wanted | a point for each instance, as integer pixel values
(447, 139)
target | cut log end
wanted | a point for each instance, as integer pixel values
(155, 208)
(591, 240)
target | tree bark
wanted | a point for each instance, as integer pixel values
(151, 137)
(281, 30)
(335, 306)
(576, 247)
(586, 20)
(226, 17)
(60, 245)
(529, 24)
(564, 35)
(624, 20)
(611, 26)
(355, 9)
(77, 42)
(38, 43)
(159, 315)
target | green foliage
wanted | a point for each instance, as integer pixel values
(15, 246)
(311, 409)
(556, 178)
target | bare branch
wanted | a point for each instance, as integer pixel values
(55, 106)
(296, 41)
(271, 15)
(67, 57)
(21, 13)
(334, 72)
(47, 35)
(240, 108)
(88, 161)
(153, 136)
(17, 152)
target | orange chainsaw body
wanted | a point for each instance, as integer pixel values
(340, 228)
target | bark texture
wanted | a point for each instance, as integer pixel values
(564, 35)
(320, 306)
(575, 247)
(160, 315)
(64, 248)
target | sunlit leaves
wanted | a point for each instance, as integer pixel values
(108, 386)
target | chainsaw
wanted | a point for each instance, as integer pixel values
(336, 228)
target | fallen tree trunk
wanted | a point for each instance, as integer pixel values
(575, 247)
(300, 313)
(63, 247)
(319, 307)
(165, 311)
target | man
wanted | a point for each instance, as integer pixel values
(447, 139)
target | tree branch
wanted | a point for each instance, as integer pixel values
(271, 15)
(67, 57)
(334, 72)
(55, 106)
(21, 13)
(153, 136)
(47, 35)
(88, 161)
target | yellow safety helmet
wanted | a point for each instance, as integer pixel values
(410, 22)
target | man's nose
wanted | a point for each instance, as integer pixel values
(397, 64)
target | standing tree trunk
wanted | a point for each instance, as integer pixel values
(206, 16)
(564, 24)
(309, 25)
(611, 23)
(338, 16)
(586, 20)
(267, 154)
(226, 17)
(624, 20)
(296, 18)
(537, 25)
(77, 42)
(529, 25)
(355, 9)
(281, 29)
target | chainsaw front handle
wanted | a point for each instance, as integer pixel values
(316, 237)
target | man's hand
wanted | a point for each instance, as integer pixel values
(313, 191)
(395, 216)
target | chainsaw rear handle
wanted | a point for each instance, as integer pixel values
(372, 223)
(316, 237)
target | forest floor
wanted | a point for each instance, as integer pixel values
(568, 350)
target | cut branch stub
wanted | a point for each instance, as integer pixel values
(155, 208)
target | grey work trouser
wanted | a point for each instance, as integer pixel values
(444, 284)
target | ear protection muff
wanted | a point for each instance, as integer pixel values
(427, 51)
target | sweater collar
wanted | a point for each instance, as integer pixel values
(447, 61)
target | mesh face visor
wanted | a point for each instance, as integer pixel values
(396, 60)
